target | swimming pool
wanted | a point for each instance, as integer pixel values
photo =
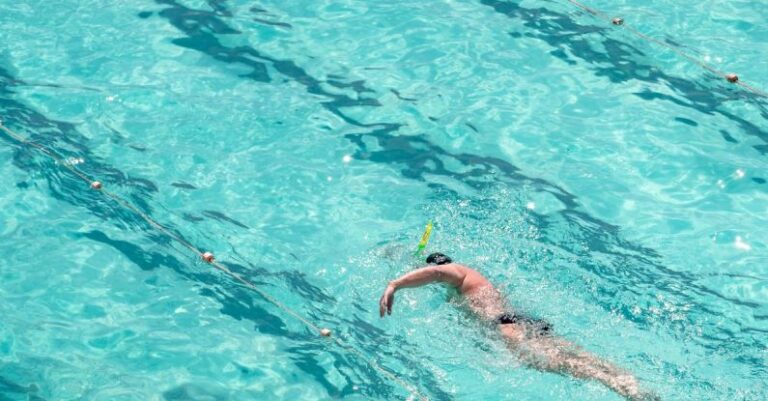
(606, 183)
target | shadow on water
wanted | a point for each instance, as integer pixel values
(632, 266)
(418, 158)
(201, 28)
(237, 302)
(241, 303)
(618, 61)
(12, 391)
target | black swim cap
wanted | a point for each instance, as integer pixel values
(438, 258)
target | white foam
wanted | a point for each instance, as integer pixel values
(740, 244)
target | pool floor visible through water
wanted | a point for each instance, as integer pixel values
(608, 182)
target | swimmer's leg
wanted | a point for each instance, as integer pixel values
(556, 355)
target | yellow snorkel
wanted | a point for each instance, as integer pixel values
(424, 239)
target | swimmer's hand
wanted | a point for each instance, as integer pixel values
(386, 301)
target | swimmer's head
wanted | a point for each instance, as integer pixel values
(438, 258)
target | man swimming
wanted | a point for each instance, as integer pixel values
(531, 340)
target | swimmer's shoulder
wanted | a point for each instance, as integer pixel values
(461, 273)
(456, 267)
(451, 273)
(471, 279)
(464, 269)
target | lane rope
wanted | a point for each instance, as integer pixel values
(209, 258)
(619, 22)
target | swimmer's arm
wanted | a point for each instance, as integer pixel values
(450, 274)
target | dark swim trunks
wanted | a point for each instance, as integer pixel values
(540, 326)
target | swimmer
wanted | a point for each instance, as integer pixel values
(530, 339)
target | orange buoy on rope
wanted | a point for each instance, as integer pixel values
(732, 78)
(96, 185)
(208, 257)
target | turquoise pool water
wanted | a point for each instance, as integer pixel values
(605, 183)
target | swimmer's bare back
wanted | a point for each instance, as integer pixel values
(543, 352)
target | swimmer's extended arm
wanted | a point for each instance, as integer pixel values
(450, 274)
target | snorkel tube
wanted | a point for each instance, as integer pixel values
(424, 239)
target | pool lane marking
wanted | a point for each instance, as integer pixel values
(730, 77)
(209, 258)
